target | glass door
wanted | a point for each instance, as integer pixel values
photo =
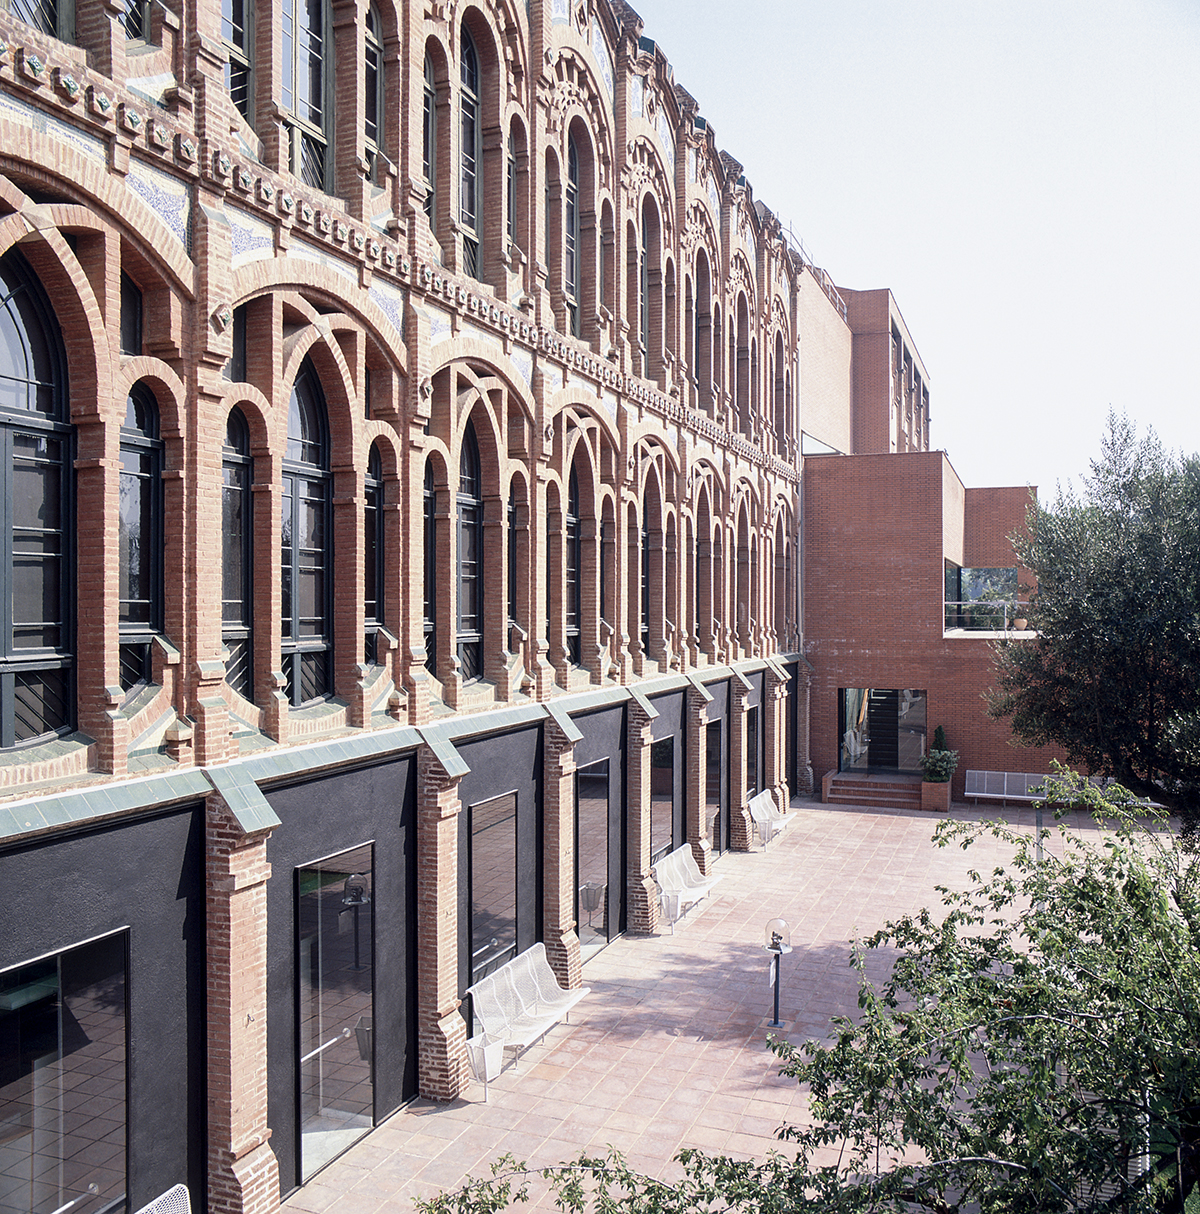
(335, 995)
(591, 857)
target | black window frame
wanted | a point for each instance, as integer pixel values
(470, 155)
(573, 572)
(469, 571)
(308, 112)
(306, 659)
(46, 673)
(237, 35)
(374, 556)
(237, 614)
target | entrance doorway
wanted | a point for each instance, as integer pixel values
(881, 729)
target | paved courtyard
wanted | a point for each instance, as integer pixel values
(668, 1050)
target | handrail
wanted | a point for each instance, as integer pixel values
(320, 1049)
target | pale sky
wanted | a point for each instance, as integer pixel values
(1023, 174)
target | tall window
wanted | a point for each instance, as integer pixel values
(305, 89)
(470, 559)
(571, 238)
(573, 562)
(470, 157)
(63, 1048)
(305, 553)
(645, 546)
(236, 530)
(136, 19)
(140, 538)
(36, 659)
(429, 138)
(510, 196)
(373, 91)
(431, 572)
(644, 296)
(373, 548)
(237, 32)
(512, 554)
(49, 16)
(131, 316)
(493, 871)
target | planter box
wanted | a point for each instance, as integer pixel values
(936, 796)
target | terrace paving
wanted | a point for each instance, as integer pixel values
(669, 1049)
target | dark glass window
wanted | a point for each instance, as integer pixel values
(470, 559)
(140, 536)
(236, 579)
(592, 903)
(753, 747)
(571, 238)
(493, 868)
(373, 554)
(714, 785)
(373, 91)
(235, 369)
(662, 798)
(469, 156)
(305, 47)
(36, 659)
(644, 292)
(429, 137)
(512, 554)
(573, 559)
(136, 19)
(44, 15)
(510, 213)
(430, 572)
(306, 545)
(645, 546)
(237, 32)
(131, 316)
(335, 994)
(63, 1051)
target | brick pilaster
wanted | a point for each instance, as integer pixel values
(441, 1031)
(558, 882)
(642, 892)
(695, 781)
(243, 1174)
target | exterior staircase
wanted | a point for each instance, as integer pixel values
(894, 791)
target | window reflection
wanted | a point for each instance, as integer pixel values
(591, 857)
(662, 797)
(493, 867)
(716, 820)
(335, 990)
(62, 1081)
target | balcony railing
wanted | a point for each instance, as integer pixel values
(983, 615)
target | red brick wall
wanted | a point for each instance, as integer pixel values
(824, 367)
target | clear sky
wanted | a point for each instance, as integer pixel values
(1023, 174)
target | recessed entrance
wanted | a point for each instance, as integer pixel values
(881, 729)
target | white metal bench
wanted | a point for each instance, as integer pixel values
(766, 815)
(517, 1005)
(681, 884)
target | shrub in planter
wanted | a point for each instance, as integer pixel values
(937, 766)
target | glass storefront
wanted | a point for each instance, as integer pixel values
(662, 797)
(591, 857)
(881, 729)
(335, 988)
(493, 884)
(717, 821)
(63, 1047)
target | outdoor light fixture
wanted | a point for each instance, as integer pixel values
(777, 941)
(356, 893)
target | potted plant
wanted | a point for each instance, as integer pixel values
(937, 767)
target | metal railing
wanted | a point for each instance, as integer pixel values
(982, 615)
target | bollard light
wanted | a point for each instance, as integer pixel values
(777, 940)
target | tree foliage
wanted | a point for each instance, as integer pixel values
(1034, 1049)
(1113, 672)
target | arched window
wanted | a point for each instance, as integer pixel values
(470, 157)
(373, 91)
(571, 246)
(305, 554)
(573, 564)
(510, 188)
(373, 555)
(645, 546)
(430, 572)
(237, 32)
(470, 559)
(429, 138)
(140, 536)
(512, 554)
(36, 657)
(306, 89)
(237, 520)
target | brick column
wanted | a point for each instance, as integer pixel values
(775, 735)
(741, 829)
(642, 910)
(558, 883)
(695, 788)
(243, 1174)
(441, 1031)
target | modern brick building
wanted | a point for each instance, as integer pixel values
(402, 408)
